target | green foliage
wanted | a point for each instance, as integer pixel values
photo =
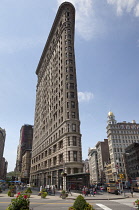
(11, 190)
(28, 190)
(136, 203)
(63, 192)
(21, 202)
(81, 204)
(9, 193)
(43, 194)
(43, 190)
(11, 173)
(88, 207)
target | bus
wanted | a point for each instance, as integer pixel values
(111, 187)
(135, 185)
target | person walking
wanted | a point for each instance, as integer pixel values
(94, 191)
(101, 190)
(132, 190)
(69, 191)
(40, 188)
(86, 191)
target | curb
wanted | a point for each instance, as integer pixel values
(99, 198)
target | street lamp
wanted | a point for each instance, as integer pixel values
(64, 174)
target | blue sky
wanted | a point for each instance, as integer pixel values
(107, 64)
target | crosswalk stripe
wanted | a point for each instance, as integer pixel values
(103, 206)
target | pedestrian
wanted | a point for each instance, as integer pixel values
(86, 191)
(132, 190)
(83, 190)
(91, 191)
(94, 191)
(101, 190)
(40, 188)
(69, 191)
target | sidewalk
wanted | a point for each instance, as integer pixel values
(104, 196)
(98, 196)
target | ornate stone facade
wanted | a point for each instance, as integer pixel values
(120, 135)
(57, 138)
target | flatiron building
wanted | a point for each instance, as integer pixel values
(56, 138)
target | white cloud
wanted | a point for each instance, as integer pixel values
(136, 10)
(125, 6)
(84, 16)
(85, 96)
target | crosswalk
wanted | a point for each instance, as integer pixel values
(113, 205)
(103, 206)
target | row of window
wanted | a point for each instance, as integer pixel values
(125, 131)
(72, 156)
(72, 141)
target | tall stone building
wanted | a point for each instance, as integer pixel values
(2, 143)
(103, 156)
(120, 135)
(93, 165)
(25, 144)
(57, 138)
(131, 161)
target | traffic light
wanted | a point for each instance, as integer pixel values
(121, 176)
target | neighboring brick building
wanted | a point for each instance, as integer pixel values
(25, 144)
(102, 156)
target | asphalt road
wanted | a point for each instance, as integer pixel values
(121, 204)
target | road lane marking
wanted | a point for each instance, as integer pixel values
(41, 203)
(103, 207)
(50, 203)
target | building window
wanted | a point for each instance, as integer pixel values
(71, 85)
(68, 141)
(72, 104)
(74, 139)
(46, 153)
(75, 170)
(69, 170)
(72, 94)
(67, 105)
(60, 144)
(73, 127)
(49, 151)
(68, 155)
(71, 69)
(70, 61)
(74, 155)
(73, 114)
(61, 158)
(71, 78)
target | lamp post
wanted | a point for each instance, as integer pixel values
(64, 174)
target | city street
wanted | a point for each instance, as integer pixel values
(100, 201)
(64, 204)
